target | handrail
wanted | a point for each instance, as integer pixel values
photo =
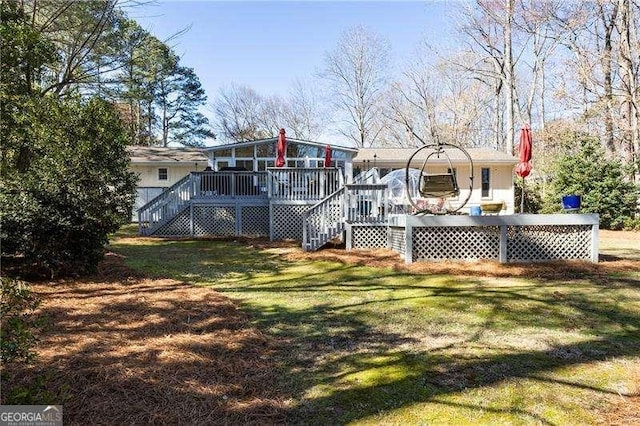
(165, 206)
(303, 183)
(231, 184)
(324, 221)
(366, 203)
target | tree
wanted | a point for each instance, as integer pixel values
(178, 96)
(306, 116)
(585, 170)
(65, 180)
(489, 30)
(357, 70)
(238, 110)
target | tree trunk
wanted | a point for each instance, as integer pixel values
(497, 118)
(509, 77)
(630, 87)
(608, 80)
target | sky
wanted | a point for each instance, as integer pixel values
(267, 45)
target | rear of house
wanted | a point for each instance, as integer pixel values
(158, 168)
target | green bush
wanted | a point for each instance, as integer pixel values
(585, 170)
(65, 183)
(67, 189)
(16, 323)
(532, 197)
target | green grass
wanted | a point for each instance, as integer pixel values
(378, 346)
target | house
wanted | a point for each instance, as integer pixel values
(492, 170)
(158, 168)
(243, 193)
(322, 193)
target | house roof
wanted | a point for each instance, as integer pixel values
(165, 155)
(275, 139)
(402, 155)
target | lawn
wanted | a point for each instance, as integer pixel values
(552, 344)
(238, 332)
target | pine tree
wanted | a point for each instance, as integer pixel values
(602, 182)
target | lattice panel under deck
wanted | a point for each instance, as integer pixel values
(178, 226)
(456, 243)
(214, 220)
(287, 221)
(255, 221)
(397, 239)
(368, 236)
(548, 242)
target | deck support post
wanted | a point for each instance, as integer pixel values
(503, 244)
(595, 229)
(191, 218)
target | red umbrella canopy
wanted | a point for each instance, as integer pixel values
(281, 149)
(327, 156)
(524, 150)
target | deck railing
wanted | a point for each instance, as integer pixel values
(366, 203)
(230, 184)
(324, 221)
(165, 206)
(307, 184)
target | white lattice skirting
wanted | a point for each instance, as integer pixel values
(286, 221)
(367, 236)
(510, 238)
(219, 221)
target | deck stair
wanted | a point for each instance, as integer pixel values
(159, 211)
(361, 202)
(324, 221)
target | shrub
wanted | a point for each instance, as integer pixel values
(66, 189)
(16, 323)
(585, 170)
(532, 197)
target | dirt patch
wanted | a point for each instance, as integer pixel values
(122, 349)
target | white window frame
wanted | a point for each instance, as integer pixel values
(490, 190)
(166, 173)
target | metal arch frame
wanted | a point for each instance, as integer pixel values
(438, 149)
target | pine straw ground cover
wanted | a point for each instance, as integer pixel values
(120, 348)
(337, 337)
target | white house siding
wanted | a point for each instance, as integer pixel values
(500, 185)
(149, 174)
(149, 186)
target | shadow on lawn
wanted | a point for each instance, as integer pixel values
(340, 362)
(357, 372)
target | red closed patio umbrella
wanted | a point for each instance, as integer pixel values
(281, 149)
(327, 156)
(524, 153)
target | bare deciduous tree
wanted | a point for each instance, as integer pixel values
(238, 112)
(307, 116)
(357, 70)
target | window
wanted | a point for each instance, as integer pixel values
(244, 151)
(163, 174)
(246, 164)
(486, 182)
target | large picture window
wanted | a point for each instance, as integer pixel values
(486, 182)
